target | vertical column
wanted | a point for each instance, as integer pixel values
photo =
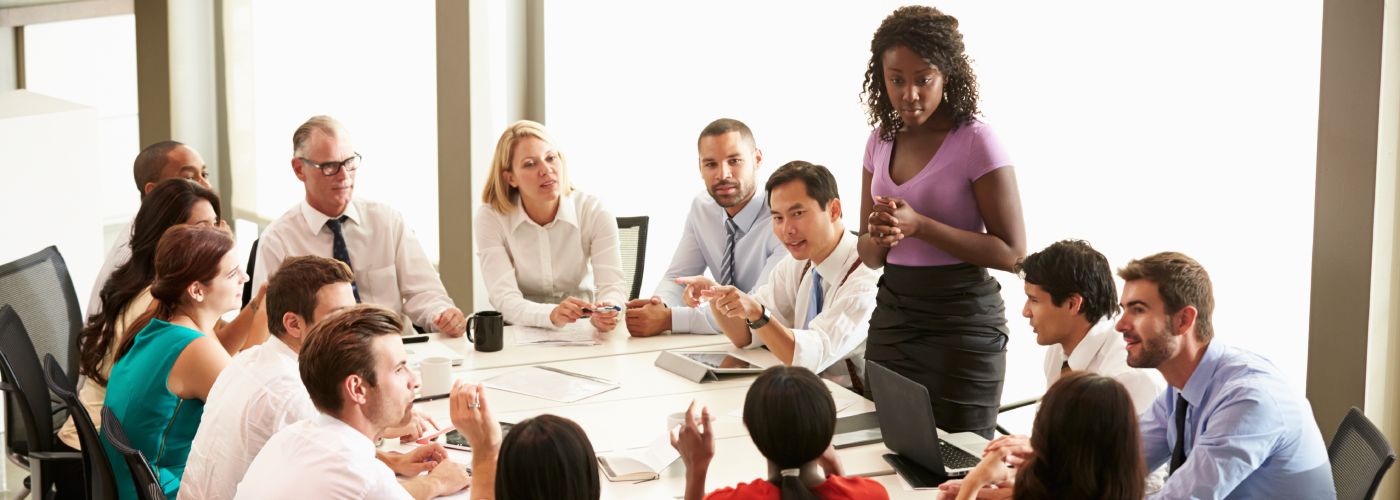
(455, 187)
(1345, 209)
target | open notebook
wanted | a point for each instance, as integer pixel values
(641, 464)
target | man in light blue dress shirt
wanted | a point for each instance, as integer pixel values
(728, 231)
(1228, 425)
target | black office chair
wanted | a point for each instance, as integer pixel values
(1360, 455)
(1013, 406)
(41, 292)
(30, 407)
(96, 468)
(248, 286)
(142, 475)
(632, 232)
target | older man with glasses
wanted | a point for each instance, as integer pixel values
(389, 264)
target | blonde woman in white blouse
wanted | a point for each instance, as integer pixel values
(547, 252)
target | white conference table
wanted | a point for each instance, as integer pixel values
(634, 415)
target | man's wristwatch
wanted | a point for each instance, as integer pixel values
(762, 319)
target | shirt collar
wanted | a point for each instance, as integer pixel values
(276, 346)
(749, 215)
(315, 220)
(1201, 379)
(836, 265)
(351, 437)
(566, 213)
(1089, 347)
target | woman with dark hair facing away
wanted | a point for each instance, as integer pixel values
(163, 373)
(791, 418)
(543, 458)
(1084, 444)
(939, 206)
(126, 294)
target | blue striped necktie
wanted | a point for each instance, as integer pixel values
(814, 308)
(340, 252)
(726, 266)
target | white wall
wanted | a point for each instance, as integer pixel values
(49, 162)
(1139, 127)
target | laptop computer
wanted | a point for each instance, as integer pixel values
(922, 457)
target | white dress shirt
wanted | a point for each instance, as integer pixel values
(321, 458)
(839, 331)
(258, 394)
(529, 268)
(756, 252)
(389, 264)
(116, 256)
(1102, 351)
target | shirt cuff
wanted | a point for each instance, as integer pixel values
(692, 320)
(537, 315)
(807, 350)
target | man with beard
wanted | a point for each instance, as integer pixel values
(355, 369)
(728, 232)
(1229, 425)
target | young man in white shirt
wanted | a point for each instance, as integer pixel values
(390, 267)
(354, 366)
(155, 163)
(728, 232)
(1071, 301)
(814, 312)
(263, 392)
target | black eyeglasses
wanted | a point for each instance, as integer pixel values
(332, 168)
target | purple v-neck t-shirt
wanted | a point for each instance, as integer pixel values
(941, 191)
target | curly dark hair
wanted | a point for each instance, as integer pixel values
(934, 36)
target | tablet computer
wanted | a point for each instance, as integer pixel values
(721, 362)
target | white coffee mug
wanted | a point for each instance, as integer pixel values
(674, 421)
(436, 374)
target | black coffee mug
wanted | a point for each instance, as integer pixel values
(490, 331)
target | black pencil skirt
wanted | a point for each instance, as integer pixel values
(945, 328)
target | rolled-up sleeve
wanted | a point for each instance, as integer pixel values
(842, 325)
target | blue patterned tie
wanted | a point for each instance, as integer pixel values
(340, 252)
(726, 266)
(815, 307)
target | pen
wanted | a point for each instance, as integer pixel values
(562, 371)
(434, 397)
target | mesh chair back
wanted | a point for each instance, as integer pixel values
(29, 406)
(147, 485)
(248, 285)
(1360, 455)
(98, 471)
(632, 235)
(41, 292)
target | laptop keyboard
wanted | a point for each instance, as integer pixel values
(956, 458)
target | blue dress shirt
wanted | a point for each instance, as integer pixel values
(756, 251)
(1249, 435)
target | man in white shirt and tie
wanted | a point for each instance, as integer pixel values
(814, 311)
(1071, 301)
(728, 232)
(372, 238)
(155, 163)
(261, 391)
(354, 366)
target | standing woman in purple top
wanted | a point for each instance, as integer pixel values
(939, 207)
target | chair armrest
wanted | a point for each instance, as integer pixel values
(55, 456)
(1017, 404)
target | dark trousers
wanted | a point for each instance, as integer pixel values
(945, 328)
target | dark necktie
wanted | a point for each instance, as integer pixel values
(726, 266)
(340, 252)
(1064, 367)
(1179, 451)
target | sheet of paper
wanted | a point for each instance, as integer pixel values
(577, 333)
(653, 459)
(841, 405)
(546, 384)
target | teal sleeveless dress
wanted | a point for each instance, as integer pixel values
(157, 422)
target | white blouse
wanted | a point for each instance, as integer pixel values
(529, 268)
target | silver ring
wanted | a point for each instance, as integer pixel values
(473, 405)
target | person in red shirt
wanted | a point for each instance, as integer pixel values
(791, 418)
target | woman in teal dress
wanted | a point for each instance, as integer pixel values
(163, 373)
